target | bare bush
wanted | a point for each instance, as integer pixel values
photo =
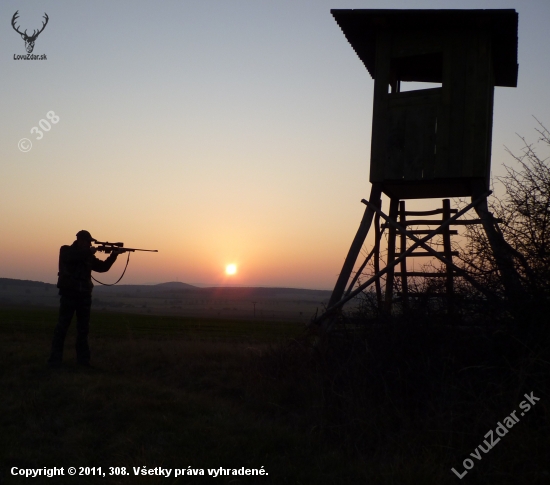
(525, 213)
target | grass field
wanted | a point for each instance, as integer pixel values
(168, 392)
(176, 392)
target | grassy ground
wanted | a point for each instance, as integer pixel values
(176, 393)
(167, 392)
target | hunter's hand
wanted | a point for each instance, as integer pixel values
(93, 250)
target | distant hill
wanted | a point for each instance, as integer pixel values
(174, 285)
(13, 282)
(171, 288)
(176, 298)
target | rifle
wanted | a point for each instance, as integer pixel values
(107, 247)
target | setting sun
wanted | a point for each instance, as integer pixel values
(230, 269)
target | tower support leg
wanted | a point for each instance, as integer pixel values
(394, 207)
(377, 238)
(503, 258)
(402, 249)
(356, 245)
(447, 249)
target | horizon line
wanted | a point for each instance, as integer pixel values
(197, 285)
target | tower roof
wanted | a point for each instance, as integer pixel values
(361, 27)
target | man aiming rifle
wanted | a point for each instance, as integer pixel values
(76, 263)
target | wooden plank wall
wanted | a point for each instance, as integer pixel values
(464, 112)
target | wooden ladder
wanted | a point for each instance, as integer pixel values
(404, 273)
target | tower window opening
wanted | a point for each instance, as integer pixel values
(413, 73)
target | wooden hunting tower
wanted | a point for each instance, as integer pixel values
(432, 142)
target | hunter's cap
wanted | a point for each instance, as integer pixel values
(85, 236)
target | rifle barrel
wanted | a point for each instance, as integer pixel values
(109, 249)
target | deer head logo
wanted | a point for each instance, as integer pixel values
(29, 39)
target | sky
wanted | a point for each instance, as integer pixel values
(216, 131)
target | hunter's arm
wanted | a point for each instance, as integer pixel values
(103, 266)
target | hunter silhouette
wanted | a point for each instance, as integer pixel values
(76, 263)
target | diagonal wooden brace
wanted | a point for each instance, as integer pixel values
(422, 242)
(351, 258)
(417, 242)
